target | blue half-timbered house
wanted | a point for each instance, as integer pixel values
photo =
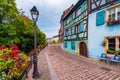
(76, 29)
(103, 27)
(92, 27)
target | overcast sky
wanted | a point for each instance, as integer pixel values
(50, 12)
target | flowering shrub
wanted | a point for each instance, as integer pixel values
(13, 60)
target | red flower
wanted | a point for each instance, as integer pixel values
(2, 47)
(14, 47)
(14, 53)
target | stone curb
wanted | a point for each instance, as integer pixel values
(51, 70)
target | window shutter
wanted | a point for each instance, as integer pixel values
(82, 8)
(100, 18)
(81, 26)
(73, 45)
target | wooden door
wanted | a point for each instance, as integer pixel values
(83, 49)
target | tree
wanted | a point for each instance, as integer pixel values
(16, 28)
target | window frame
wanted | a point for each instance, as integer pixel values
(110, 8)
(117, 42)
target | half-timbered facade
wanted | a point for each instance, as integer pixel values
(103, 27)
(76, 29)
(61, 30)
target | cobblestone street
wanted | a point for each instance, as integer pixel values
(66, 66)
(72, 67)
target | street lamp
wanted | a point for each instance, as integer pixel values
(34, 14)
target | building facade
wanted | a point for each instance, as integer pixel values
(76, 29)
(61, 30)
(103, 27)
(92, 27)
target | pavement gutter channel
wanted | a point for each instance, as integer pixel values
(51, 70)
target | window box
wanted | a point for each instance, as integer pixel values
(113, 22)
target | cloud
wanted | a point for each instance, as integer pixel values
(50, 13)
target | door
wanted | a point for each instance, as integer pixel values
(83, 49)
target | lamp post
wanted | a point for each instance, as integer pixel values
(34, 14)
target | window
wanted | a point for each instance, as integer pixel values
(119, 43)
(66, 32)
(111, 44)
(77, 28)
(113, 13)
(69, 31)
(73, 45)
(118, 13)
(73, 15)
(85, 5)
(67, 21)
(64, 22)
(78, 12)
(73, 30)
(65, 44)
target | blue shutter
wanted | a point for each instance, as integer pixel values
(81, 26)
(73, 45)
(73, 15)
(65, 44)
(82, 7)
(100, 18)
(69, 31)
(74, 29)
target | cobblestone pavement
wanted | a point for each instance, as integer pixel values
(72, 67)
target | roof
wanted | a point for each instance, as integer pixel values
(55, 36)
(67, 11)
(74, 8)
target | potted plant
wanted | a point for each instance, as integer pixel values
(111, 21)
(110, 51)
(104, 43)
(118, 52)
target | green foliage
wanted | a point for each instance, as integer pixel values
(13, 61)
(104, 43)
(16, 28)
(110, 51)
(118, 52)
(55, 42)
